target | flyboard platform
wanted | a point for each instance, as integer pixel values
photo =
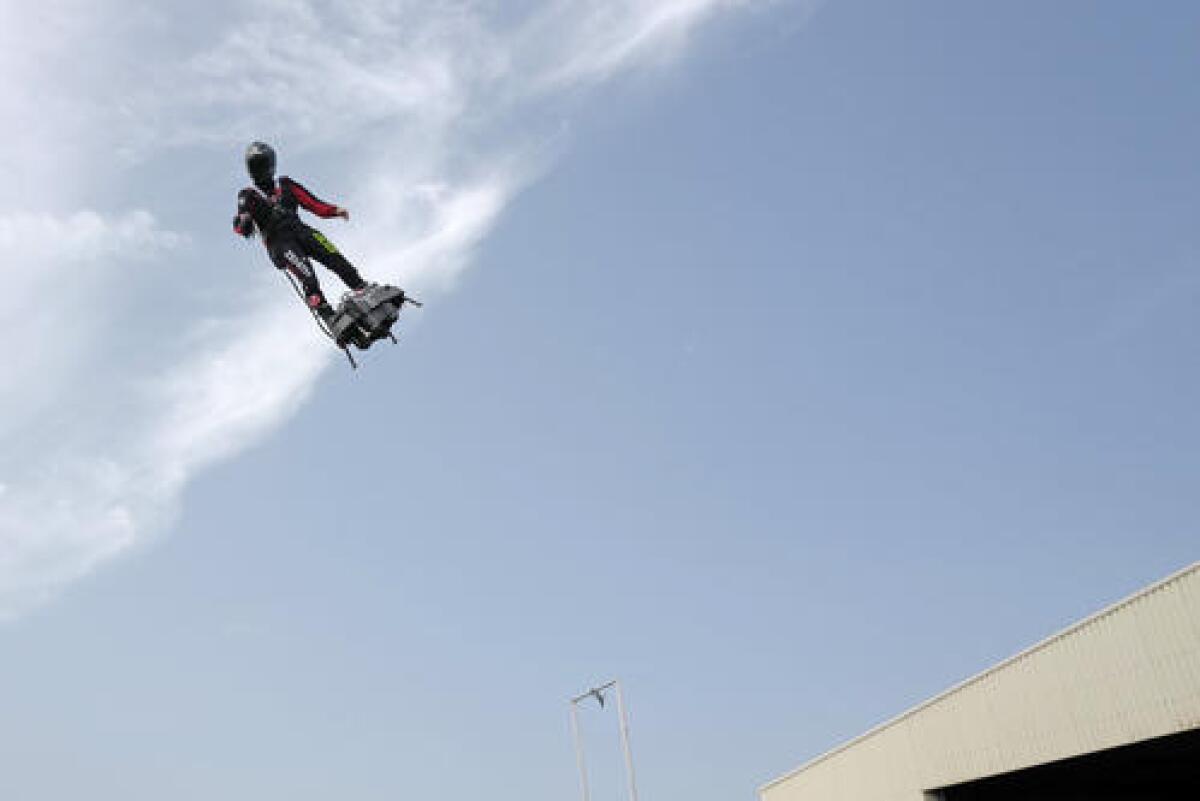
(364, 317)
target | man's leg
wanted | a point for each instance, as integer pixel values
(316, 244)
(288, 256)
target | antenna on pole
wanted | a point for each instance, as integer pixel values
(597, 693)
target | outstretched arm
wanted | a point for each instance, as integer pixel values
(314, 204)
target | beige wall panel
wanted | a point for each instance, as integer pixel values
(1130, 673)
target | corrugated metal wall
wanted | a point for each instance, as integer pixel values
(1129, 673)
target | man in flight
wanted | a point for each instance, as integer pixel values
(270, 208)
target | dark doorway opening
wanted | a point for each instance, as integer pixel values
(1152, 770)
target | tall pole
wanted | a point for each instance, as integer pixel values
(625, 742)
(583, 779)
(623, 726)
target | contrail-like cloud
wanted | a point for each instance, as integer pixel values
(455, 102)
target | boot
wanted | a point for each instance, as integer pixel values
(321, 306)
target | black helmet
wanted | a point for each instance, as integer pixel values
(260, 162)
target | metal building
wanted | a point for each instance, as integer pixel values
(1107, 709)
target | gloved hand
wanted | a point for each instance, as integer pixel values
(244, 224)
(343, 213)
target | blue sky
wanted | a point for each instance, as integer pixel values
(791, 362)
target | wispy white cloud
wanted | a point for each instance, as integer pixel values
(60, 522)
(431, 89)
(570, 43)
(61, 511)
(56, 284)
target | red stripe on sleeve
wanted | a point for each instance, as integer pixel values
(310, 201)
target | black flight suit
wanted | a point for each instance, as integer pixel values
(273, 212)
